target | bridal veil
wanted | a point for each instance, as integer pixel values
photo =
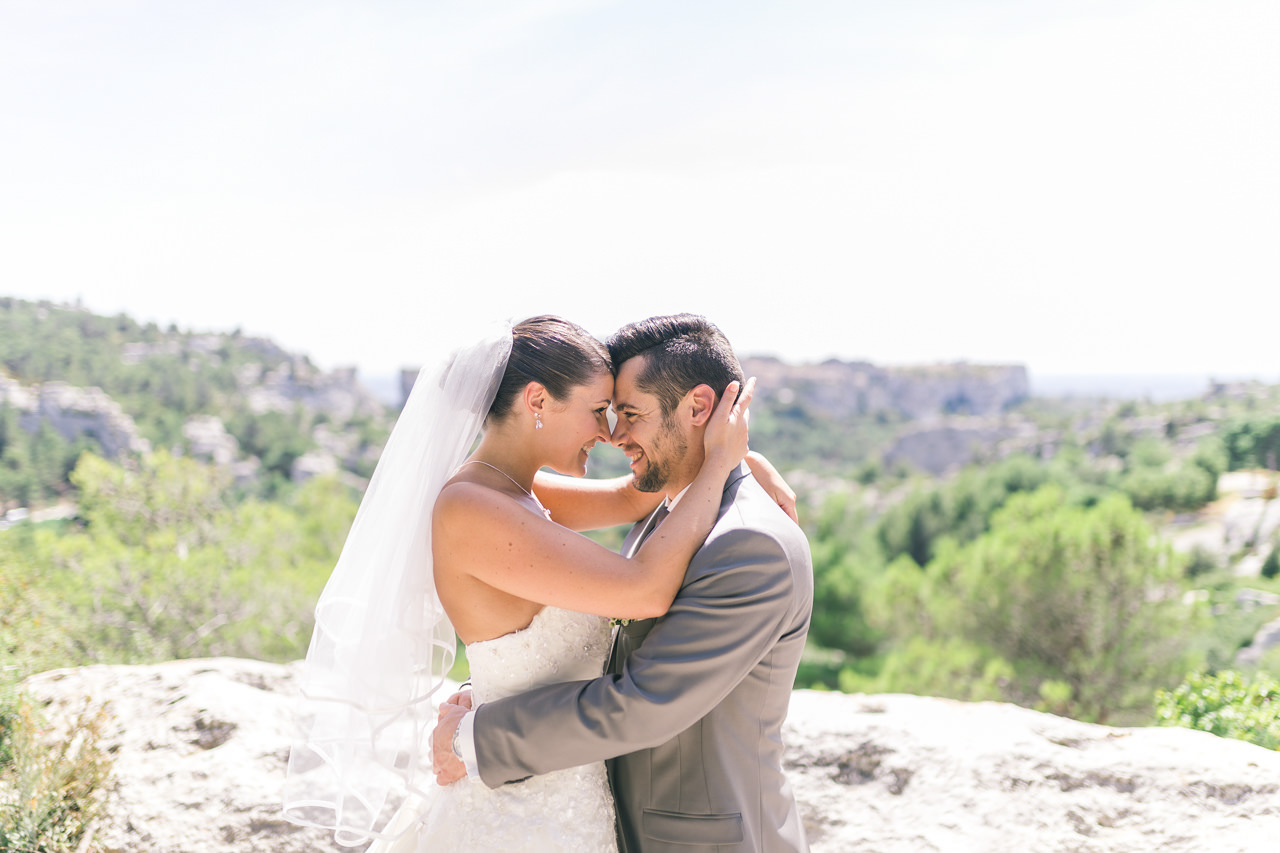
(382, 643)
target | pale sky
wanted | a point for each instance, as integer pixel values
(1087, 187)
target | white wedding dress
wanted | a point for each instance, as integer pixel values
(568, 810)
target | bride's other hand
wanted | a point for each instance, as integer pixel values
(771, 481)
(462, 698)
(725, 439)
(448, 766)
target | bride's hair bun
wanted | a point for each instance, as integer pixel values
(553, 352)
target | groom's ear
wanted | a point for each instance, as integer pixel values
(702, 402)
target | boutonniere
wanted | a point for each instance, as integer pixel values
(620, 623)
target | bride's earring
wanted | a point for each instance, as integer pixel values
(537, 422)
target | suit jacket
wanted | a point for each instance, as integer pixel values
(690, 713)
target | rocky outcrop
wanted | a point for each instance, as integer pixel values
(200, 750)
(314, 464)
(207, 438)
(944, 444)
(337, 393)
(1266, 639)
(74, 412)
(839, 390)
(903, 774)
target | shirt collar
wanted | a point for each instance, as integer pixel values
(671, 502)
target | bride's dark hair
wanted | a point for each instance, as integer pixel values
(553, 352)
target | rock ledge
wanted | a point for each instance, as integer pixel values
(201, 747)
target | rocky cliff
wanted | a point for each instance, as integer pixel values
(74, 412)
(838, 389)
(200, 749)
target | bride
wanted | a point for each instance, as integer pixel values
(485, 545)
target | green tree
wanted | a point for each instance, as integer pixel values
(961, 509)
(166, 565)
(1253, 442)
(1153, 480)
(844, 564)
(274, 437)
(1075, 596)
(1271, 565)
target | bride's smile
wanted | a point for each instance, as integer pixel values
(577, 425)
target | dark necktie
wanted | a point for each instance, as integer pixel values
(661, 513)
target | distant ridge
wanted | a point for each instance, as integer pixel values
(1157, 387)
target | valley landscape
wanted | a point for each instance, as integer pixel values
(169, 496)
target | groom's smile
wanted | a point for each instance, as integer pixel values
(653, 443)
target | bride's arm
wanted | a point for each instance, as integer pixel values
(769, 479)
(491, 537)
(581, 504)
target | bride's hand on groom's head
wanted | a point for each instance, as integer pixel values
(726, 435)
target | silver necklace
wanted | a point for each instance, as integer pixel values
(546, 511)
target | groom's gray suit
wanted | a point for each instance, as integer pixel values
(691, 710)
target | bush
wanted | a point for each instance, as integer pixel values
(960, 510)
(1059, 593)
(162, 565)
(1271, 565)
(1227, 705)
(1253, 442)
(955, 669)
(1201, 561)
(50, 784)
(1188, 487)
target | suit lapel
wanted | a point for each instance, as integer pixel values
(622, 647)
(637, 534)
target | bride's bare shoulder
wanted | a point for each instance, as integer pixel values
(465, 502)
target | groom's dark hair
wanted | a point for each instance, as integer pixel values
(684, 351)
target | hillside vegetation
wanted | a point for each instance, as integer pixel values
(1048, 566)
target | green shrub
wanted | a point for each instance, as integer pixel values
(50, 784)
(1201, 561)
(1055, 592)
(955, 669)
(1227, 705)
(1271, 565)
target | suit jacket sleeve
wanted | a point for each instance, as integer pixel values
(733, 607)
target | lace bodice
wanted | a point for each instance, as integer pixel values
(558, 645)
(567, 810)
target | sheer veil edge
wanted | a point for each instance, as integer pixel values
(382, 643)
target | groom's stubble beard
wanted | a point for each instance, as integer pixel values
(673, 447)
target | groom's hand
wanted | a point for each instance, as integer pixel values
(449, 768)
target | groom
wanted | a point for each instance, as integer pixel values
(690, 712)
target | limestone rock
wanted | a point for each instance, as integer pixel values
(907, 774)
(208, 439)
(201, 745)
(73, 412)
(840, 390)
(945, 444)
(200, 750)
